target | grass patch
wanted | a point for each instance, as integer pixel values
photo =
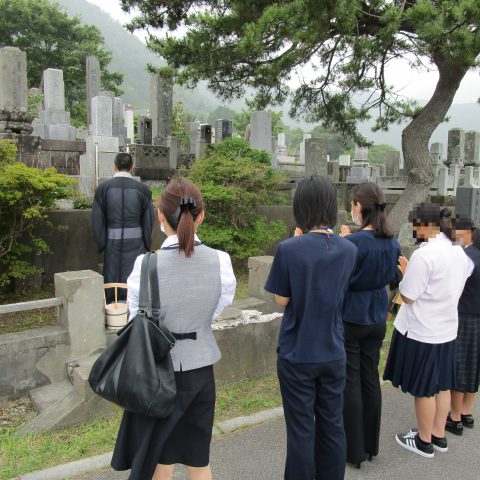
(156, 191)
(20, 321)
(242, 284)
(20, 455)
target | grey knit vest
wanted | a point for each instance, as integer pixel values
(189, 292)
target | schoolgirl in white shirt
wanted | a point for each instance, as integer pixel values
(422, 357)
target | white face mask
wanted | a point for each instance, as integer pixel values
(162, 228)
(355, 220)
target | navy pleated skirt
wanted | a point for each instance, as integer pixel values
(183, 437)
(421, 369)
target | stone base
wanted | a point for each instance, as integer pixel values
(16, 122)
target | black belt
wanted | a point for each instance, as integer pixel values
(185, 336)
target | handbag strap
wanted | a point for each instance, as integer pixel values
(145, 301)
(154, 287)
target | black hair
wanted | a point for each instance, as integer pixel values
(315, 203)
(372, 200)
(124, 162)
(427, 213)
(462, 223)
(476, 237)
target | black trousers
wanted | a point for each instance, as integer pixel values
(312, 397)
(363, 397)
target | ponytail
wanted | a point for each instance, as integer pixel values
(186, 233)
(181, 203)
(445, 223)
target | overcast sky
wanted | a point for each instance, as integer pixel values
(419, 85)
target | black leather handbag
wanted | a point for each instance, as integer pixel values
(136, 371)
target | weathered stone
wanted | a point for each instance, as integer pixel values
(456, 138)
(223, 129)
(102, 116)
(361, 154)
(306, 136)
(392, 163)
(53, 89)
(472, 148)
(468, 203)
(14, 115)
(173, 146)
(93, 84)
(316, 157)
(193, 128)
(129, 122)
(206, 133)
(443, 181)
(144, 130)
(161, 108)
(344, 160)
(200, 148)
(281, 140)
(261, 131)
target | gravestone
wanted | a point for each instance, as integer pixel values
(200, 148)
(54, 120)
(443, 180)
(457, 156)
(193, 129)
(456, 138)
(129, 122)
(223, 129)
(102, 116)
(316, 157)
(334, 171)
(392, 164)
(306, 136)
(469, 179)
(174, 146)
(436, 154)
(206, 133)
(344, 160)
(383, 171)
(161, 108)
(472, 148)
(14, 115)
(93, 84)
(454, 172)
(281, 140)
(261, 131)
(468, 203)
(118, 115)
(361, 155)
(144, 130)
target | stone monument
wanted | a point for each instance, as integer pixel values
(93, 84)
(54, 120)
(161, 108)
(261, 131)
(472, 149)
(456, 138)
(14, 115)
(144, 130)
(306, 136)
(129, 123)
(223, 129)
(392, 164)
(316, 157)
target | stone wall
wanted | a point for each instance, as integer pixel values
(41, 153)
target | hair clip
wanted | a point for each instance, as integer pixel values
(381, 206)
(188, 202)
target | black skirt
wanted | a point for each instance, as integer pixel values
(421, 369)
(184, 437)
(468, 357)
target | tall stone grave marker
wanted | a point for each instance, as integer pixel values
(223, 129)
(316, 157)
(93, 84)
(144, 130)
(129, 122)
(118, 115)
(456, 138)
(261, 131)
(161, 108)
(436, 154)
(14, 115)
(54, 120)
(344, 160)
(360, 170)
(472, 148)
(468, 202)
(392, 164)
(306, 136)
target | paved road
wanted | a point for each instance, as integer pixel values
(258, 453)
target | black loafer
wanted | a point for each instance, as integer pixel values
(468, 421)
(454, 427)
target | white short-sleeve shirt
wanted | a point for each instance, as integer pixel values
(434, 280)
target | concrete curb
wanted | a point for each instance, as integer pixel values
(99, 462)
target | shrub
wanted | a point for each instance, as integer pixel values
(235, 180)
(25, 196)
(82, 203)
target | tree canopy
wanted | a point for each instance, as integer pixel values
(348, 44)
(53, 40)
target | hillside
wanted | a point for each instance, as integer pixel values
(130, 57)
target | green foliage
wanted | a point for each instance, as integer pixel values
(82, 203)
(78, 115)
(53, 40)
(25, 196)
(34, 101)
(221, 112)
(178, 127)
(260, 44)
(8, 151)
(235, 180)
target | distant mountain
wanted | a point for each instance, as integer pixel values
(131, 56)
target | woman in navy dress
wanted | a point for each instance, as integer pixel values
(364, 320)
(467, 377)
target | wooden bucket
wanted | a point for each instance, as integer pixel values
(116, 314)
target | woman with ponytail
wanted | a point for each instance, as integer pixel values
(422, 356)
(196, 283)
(364, 320)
